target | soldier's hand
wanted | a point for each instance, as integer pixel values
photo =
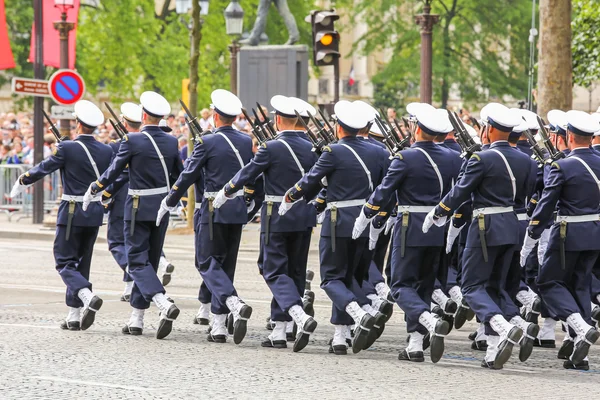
(374, 235)
(389, 225)
(359, 225)
(286, 205)
(528, 246)
(88, 197)
(453, 233)
(18, 188)
(162, 211)
(220, 199)
(431, 220)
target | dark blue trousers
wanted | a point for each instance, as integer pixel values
(115, 236)
(413, 278)
(204, 295)
(143, 254)
(596, 282)
(284, 269)
(339, 270)
(484, 283)
(514, 284)
(567, 291)
(217, 261)
(73, 259)
(375, 277)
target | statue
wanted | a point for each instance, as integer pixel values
(261, 22)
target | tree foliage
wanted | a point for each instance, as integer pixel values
(479, 46)
(586, 42)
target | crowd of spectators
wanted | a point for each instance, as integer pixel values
(16, 131)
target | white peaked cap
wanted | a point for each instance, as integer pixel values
(131, 112)
(501, 117)
(303, 107)
(284, 106)
(368, 109)
(155, 104)
(225, 103)
(88, 113)
(412, 108)
(351, 116)
(582, 123)
(558, 118)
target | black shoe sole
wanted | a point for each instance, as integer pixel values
(274, 344)
(417, 356)
(536, 308)
(583, 347)
(338, 350)
(241, 325)
(200, 321)
(505, 348)
(216, 338)
(376, 331)
(302, 339)
(229, 324)
(70, 326)
(546, 344)
(451, 307)
(480, 345)
(526, 346)
(310, 275)
(489, 365)
(437, 342)
(361, 333)
(387, 309)
(460, 318)
(125, 298)
(131, 331)
(472, 335)
(583, 366)
(309, 296)
(308, 308)
(566, 349)
(450, 320)
(89, 316)
(165, 326)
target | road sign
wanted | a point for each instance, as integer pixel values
(66, 86)
(62, 112)
(30, 87)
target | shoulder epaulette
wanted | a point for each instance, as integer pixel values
(113, 141)
(476, 156)
(327, 148)
(264, 145)
(398, 156)
(125, 138)
(555, 165)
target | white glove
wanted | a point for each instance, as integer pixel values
(87, 198)
(453, 233)
(528, 245)
(250, 207)
(543, 245)
(220, 199)
(360, 224)
(321, 217)
(374, 235)
(285, 206)
(389, 225)
(431, 220)
(17, 188)
(163, 210)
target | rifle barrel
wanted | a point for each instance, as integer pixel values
(119, 127)
(53, 128)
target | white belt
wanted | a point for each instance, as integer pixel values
(212, 195)
(147, 192)
(274, 199)
(197, 206)
(415, 209)
(345, 203)
(578, 218)
(522, 217)
(491, 210)
(78, 199)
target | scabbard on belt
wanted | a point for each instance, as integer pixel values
(563, 238)
(268, 221)
(403, 233)
(211, 213)
(134, 210)
(481, 223)
(333, 219)
(70, 218)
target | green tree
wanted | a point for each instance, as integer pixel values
(586, 42)
(479, 46)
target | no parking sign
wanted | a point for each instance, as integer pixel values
(66, 86)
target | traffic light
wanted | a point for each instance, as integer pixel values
(326, 40)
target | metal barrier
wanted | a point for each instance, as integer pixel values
(21, 206)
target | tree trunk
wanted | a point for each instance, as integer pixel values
(195, 38)
(555, 70)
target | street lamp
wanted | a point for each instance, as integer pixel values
(63, 27)
(426, 21)
(234, 25)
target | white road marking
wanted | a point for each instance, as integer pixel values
(30, 326)
(93, 383)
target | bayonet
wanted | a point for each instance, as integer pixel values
(119, 127)
(52, 128)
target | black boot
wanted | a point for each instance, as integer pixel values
(529, 338)
(275, 344)
(89, 313)
(414, 356)
(479, 345)
(361, 333)
(582, 366)
(70, 326)
(566, 349)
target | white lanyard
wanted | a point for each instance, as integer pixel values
(513, 181)
(435, 168)
(589, 170)
(293, 156)
(90, 158)
(236, 151)
(362, 165)
(160, 157)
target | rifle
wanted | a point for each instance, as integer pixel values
(318, 144)
(266, 132)
(463, 138)
(538, 153)
(475, 123)
(119, 128)
(53, 128)
(193, 122)
(256, 128)
(195, 135)
(554, 153)
(321, 130)
(388, 139)
(329, 127)
(266, 120)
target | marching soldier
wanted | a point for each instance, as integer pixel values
(352, 169)
(285, 240)
(79, 161)
(154, 163)
(492, 179)
(565, 273)
(131, 118)
(418, 176)
(219, 157)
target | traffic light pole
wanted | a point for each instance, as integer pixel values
(336, 80)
